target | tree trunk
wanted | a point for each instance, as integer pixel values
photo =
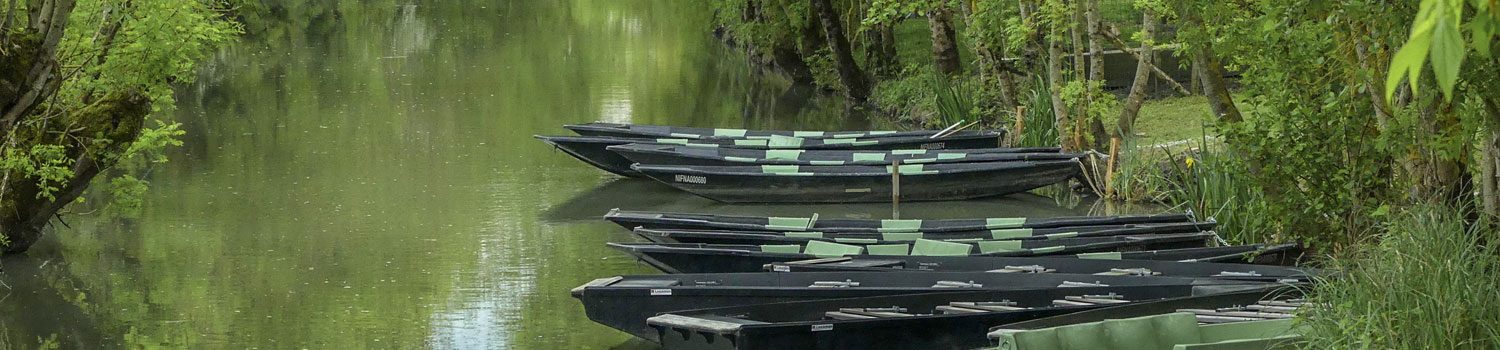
(888, 50)
(790, 63)
(812, 35)
(944, 41)
(856, 86)
(1096, 51)
(880, 52)
(1490, 169)
(1081, 113)
(1142, 76)
(1054, 83)
(1436, 178)
(47, 21)
(1215, 87)
(118, 119)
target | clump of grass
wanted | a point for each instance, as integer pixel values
(1040, 128)
(954, 102)
(1200, 176)
(1430, 283)
(1213, 182)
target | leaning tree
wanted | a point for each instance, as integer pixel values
(78, 81)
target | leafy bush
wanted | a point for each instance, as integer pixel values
(908, 95)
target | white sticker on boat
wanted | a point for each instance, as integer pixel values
(934, 145)
(781, 268)
(660, 292)
(692, 179)
(822, 327)
(857, 190)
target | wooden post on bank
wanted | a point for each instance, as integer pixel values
(1109, 171)
(896, 189)
(1020, 126)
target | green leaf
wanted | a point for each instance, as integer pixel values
(1408, 60)
(1447, 50)
(1481, 31)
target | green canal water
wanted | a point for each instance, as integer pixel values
(362, 175)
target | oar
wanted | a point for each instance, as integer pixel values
(950, 127)
(957, 130)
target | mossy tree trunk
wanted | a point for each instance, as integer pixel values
(1490, 167)
(92, 137)
(1142, 76)
(1054, 87)
(1085, 119)
(880, 50)
(944, 41)
(856, 85)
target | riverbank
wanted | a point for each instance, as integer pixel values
(1302, 127)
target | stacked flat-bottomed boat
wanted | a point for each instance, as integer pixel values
(1001, 281)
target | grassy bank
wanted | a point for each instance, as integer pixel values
(1429, 283)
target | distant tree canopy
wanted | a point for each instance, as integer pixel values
(78, 79)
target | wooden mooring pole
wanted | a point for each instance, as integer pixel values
(896, 189)
(1109, 171)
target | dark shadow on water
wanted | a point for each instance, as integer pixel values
(645, 195)
(618, 193)
(31, 289)
(636, 344)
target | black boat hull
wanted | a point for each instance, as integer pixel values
(691, 221)
(772, 237)
(593, 152)
(678, 261)
(864, 187)
(1233, 271)
(654, 131)
(800, 325)
(625, 302)
(1158, 307)
(656, 154)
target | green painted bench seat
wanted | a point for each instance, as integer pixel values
(781, 248)
(828, 249)
(1178, 331)
(889, 249)
(928, 247)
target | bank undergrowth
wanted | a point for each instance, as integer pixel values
(1429, 282)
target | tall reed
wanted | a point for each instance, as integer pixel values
(1040, 125)
(954, 101)
(1429, 283)
(1214, 183)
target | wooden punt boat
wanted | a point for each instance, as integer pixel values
(1045, 264)
(692, 221)
(859, 183)
(660, 131)
(592, 149)
(778, 237)
(1261, 319)
(997, 247)
(704, 258)
(663, 154)
(625, 302)
(958, 320)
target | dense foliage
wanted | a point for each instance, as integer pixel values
(78, 80)
(1364, 128)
